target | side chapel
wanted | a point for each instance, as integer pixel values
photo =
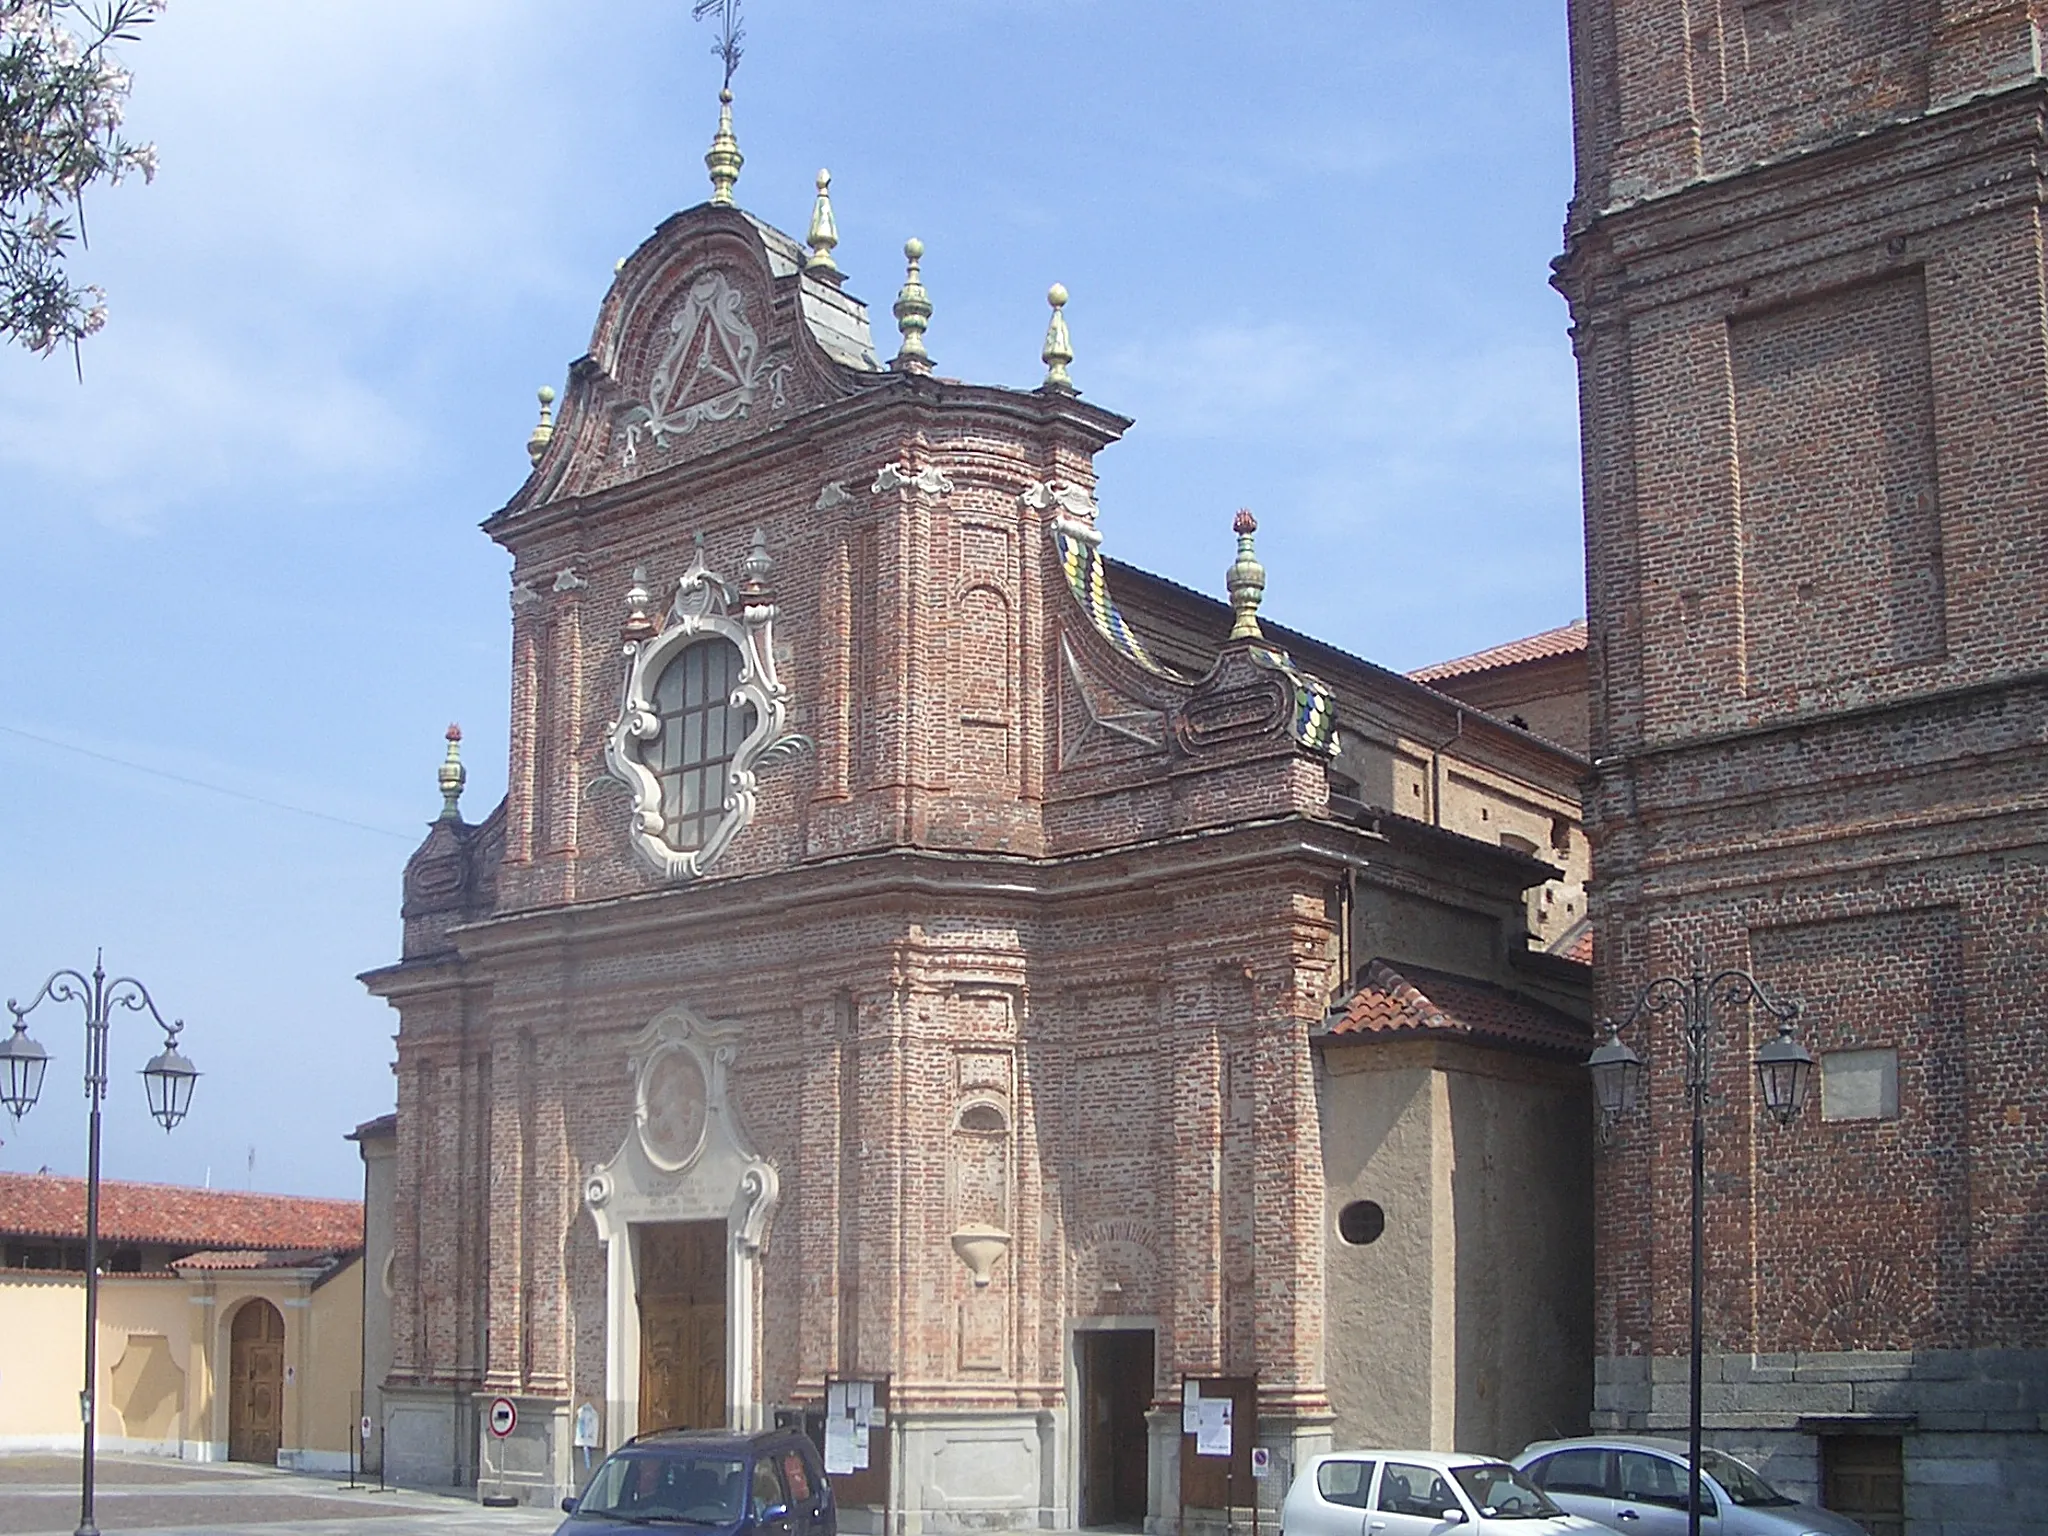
(915, 947)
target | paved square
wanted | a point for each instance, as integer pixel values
(39, 1497)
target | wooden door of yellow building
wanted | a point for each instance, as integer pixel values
(256, 1383)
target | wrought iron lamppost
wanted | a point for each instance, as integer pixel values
(1784, 1074)
(168, 1081)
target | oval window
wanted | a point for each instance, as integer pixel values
(1361, 1222)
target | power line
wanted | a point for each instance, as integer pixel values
(218, 789)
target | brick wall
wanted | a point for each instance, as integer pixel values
(1807, 293)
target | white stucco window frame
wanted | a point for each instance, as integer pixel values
(705, 607)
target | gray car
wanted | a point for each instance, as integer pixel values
(1638, 1487)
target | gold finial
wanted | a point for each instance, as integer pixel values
(1246, 580)
(824, 231)
(723, 159)
(544, 429)
(639, 624)
(452, 776)
(1059, 346)
(913, 313)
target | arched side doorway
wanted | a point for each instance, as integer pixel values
(256, 1383)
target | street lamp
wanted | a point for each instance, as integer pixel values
(168, 1081)
(1784, 1074)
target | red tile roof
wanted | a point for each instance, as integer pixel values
(1576, 942)
(1562, 641)
(1418, 1002)
(44, 1205)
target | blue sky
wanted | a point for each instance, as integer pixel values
(1307, 245)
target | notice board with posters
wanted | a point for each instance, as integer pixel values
(855, 1442)
(1219, 1423)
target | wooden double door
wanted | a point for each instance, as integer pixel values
(682, 1325)
(256, 1383)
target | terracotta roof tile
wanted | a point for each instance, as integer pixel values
(1562, 641)
(45, 1205)
(1576, 942)
(1415, 1001)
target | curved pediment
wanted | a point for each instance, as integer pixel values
(712, 333)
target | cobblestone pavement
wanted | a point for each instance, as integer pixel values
(39, 1497)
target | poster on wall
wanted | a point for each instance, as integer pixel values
(850, 1413)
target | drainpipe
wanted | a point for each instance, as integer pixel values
(1436, 771)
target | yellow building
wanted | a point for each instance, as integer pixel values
(230, 1325)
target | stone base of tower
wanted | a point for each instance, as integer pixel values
(1970, 1425)
(429, 1436)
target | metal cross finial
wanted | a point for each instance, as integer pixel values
(730, 34)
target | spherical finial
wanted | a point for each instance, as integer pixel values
(723, 159)
(725, 95)
(913, 312)
(544, 429)
(1058, 350)
(454, 733)
(824, 179)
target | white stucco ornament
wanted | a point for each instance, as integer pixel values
(705, 606)
(686, 1157)
(711, 369)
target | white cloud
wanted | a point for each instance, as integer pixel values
(169, 414)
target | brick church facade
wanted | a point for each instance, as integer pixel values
(1805, 268)
(914, 947)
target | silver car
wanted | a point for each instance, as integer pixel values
(1419, 1493)
(1639, 1486)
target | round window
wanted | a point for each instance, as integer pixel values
(1361, 1222)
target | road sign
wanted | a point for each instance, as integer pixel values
(365, 1429)
(504, 1416)
(1262, 1462)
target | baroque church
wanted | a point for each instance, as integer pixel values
(917, 950)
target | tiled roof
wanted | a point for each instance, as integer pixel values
(44, 1205)
(1576, 942)
(1562, 641)
(274, 1258)
(1418, 1002)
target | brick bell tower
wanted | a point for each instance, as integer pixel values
(1805, 266)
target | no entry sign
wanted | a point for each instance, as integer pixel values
(504, 1416)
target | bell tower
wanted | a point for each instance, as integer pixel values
(1804, 259)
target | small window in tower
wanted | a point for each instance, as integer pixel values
(700, 732)
(1361, 1222)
